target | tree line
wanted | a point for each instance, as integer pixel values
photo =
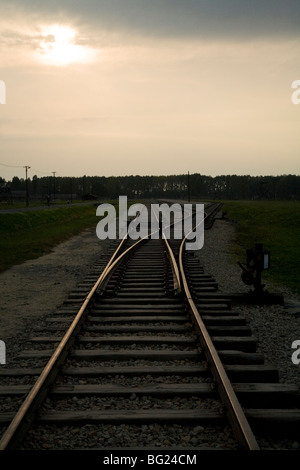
(185, 186)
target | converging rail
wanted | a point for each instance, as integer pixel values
(147, 345)
(22, 420)
(235, 412)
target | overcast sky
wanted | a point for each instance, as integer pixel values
(127, 87)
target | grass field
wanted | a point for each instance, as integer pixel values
(276, 225)
(33, 204)
(28, 235)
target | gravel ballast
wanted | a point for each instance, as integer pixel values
(26, 305)
(275, 326)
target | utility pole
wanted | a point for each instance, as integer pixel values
(54, 185)
(26, 182)
(189, 191)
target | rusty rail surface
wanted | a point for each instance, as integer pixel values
(26, 413)
(234, 410)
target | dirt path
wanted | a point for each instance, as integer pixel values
(25, 289)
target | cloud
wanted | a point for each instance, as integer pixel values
(176, 18)
(102, 25)
(209, 81)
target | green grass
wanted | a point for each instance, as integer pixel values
(32, 204)
(276, 225)
(28, 235)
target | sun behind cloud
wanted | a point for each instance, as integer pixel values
(58, 45)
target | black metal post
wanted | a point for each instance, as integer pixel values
(54, 185)
(26, 182)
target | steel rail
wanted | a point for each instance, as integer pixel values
(235, 412)
(25, 415)
(175, 270)
(35, 397)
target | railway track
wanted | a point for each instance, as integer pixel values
(148, 355)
